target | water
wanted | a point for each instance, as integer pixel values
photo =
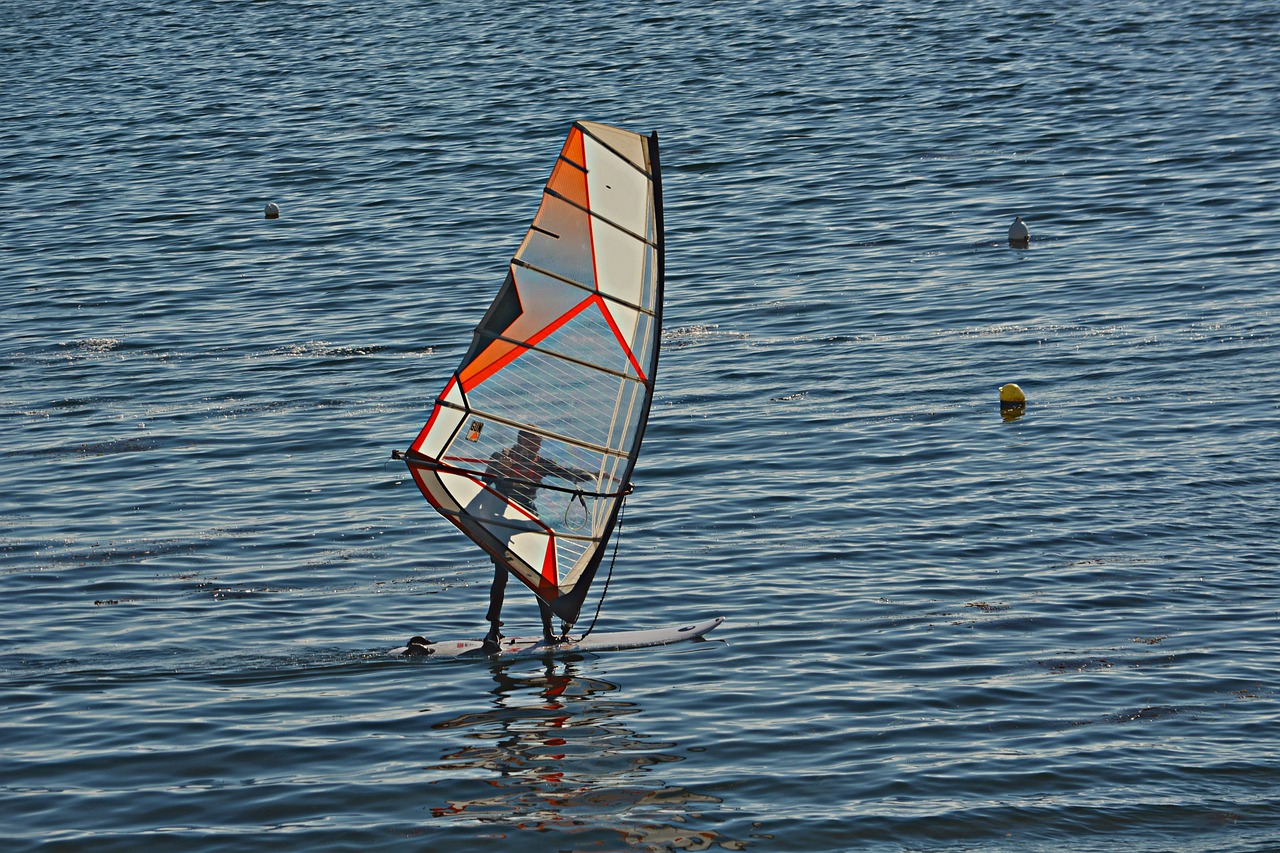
(947, 631)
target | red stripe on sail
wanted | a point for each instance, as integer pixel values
(550, 569)
(533, 340)
(622, 341)
(422, 435)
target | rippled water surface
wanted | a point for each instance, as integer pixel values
(947, 630)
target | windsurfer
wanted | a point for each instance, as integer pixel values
(516, 473)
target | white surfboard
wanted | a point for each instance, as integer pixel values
(512, 647)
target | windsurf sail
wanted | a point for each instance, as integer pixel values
(530, 447)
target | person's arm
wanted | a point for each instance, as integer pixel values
(566, 472)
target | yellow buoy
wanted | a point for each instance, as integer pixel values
(1013, 403)
(1012, 395)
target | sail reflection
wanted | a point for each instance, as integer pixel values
(557, 753)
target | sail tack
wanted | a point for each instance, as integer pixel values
(530, 446)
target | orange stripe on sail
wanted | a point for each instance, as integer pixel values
(494, 357)
(499, 354)
(569, 179)
(548, 586)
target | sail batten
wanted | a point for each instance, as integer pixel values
(530, 447)
(596, 216)
(592, 448)
(586, 288)
(562, 357)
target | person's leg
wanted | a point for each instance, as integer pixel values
(497, 591)
(545, 612)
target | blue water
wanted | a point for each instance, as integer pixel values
(946, 630)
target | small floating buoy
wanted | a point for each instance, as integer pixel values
(1019, 236)
(272, 210)
(1013, 403)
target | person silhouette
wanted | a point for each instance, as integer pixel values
(516, 473)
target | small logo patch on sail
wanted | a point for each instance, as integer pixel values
(473, 431)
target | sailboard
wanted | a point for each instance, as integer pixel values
(530, 447)
(524, 647)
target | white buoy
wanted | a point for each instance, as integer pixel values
(1019, 236)
(272, 210)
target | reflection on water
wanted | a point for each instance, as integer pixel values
(557, 756)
